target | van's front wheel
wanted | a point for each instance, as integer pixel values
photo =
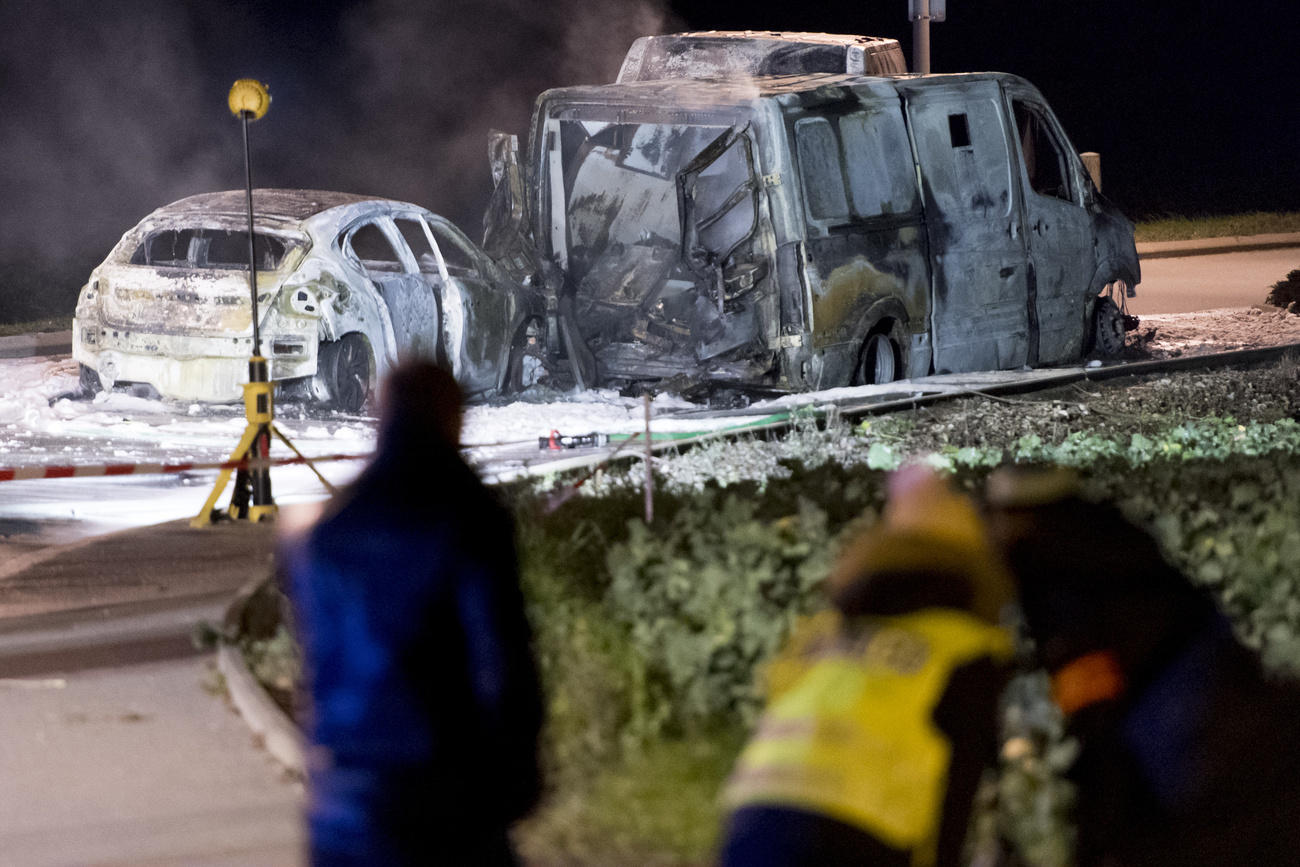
(1107, 338)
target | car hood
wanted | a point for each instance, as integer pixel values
(205, 301)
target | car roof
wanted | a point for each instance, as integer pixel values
(294, 205)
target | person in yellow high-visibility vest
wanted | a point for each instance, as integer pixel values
(882, 711)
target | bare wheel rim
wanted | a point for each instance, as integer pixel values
(878, 360)
(1108, 327)
(352, 374)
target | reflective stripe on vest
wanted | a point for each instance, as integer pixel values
(852, 735)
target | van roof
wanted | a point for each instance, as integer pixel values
(745, 53)
(736, 92)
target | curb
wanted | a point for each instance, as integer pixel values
(278, 734)
(41, 343)
(1208, 246)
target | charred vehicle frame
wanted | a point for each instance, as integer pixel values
(806, 230)
(346, 285)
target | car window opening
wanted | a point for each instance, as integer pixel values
(372, 247)
(220, 249)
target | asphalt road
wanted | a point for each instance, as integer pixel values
(115, 746)
(1192, 283)
(137, 764)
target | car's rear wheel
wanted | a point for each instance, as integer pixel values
(347, 372)
(525, 367)
(88, 380)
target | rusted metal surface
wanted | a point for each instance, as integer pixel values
(807, 230)
(346, 286)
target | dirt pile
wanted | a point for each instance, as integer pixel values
(1174, 335)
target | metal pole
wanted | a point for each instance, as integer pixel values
(649, 468)
(921, 38)
(252, 253)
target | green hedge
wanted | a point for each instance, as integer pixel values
(650, 636)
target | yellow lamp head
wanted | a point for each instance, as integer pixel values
(249, 95)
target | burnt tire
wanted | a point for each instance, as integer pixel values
(1106, 338)
(878, 361)
(524, 367)
(345, 369)
(88, 381)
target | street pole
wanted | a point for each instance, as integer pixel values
(251, 499)
(252, 253)
(921, 37)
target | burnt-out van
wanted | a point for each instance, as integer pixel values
(805, 230)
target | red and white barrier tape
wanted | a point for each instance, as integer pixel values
(11, 474)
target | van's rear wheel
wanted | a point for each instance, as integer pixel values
(879, 362)
(345, 369)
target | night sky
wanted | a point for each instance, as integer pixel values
(113, 108)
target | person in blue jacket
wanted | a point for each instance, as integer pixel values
(1187, 747)
(424, 700)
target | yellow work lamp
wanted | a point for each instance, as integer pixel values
(248, 95)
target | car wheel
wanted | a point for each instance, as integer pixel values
(346, 371)
(525, 366)
(88, 380)
(878, 362)
(1107, 329)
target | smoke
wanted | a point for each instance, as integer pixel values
(98, 128)
(429, 81)
(113, 109)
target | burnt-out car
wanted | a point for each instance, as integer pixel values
(346, 286)
(722, 216)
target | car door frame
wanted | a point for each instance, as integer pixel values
(409, 279)
(478, 319)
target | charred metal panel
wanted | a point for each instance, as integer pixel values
(980, 317)
(1117, 257)
(859, 271)
(873, 205)
(170, 306)
(507, 231)
(862, 211)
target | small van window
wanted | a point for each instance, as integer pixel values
(1044, 161)
(882, 178)
(819, 163)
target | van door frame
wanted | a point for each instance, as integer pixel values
(1059, 234)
